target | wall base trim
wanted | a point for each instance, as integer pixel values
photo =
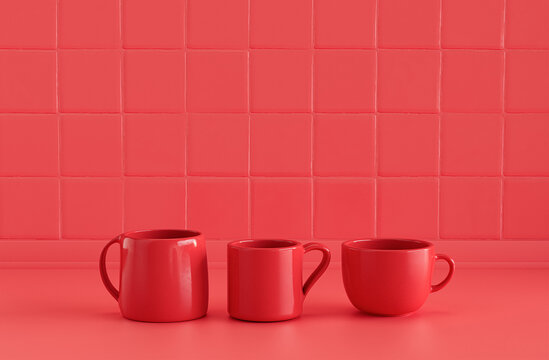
(67, 253)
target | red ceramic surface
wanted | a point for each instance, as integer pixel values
(82, 71)
(218, 207)
(281, 208)
(155, 144)
(280, 144)
(470, 206)
(265, 278)
(163, 275)
(218, 145)
(88, 202)
(409, 24)
(390, 277)
(401, 154)
(80, 134)
(275, 112)
(164, 200)
(407, 207)
(484, 19)
(343, 208)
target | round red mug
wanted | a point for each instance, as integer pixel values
(389, 276)
(265, 280)
(163, 275)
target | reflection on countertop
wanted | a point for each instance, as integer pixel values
(484, 313)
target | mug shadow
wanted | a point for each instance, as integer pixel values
(260, 323)
(110, 316)
(413, 315)
(116, 316)
(333, 313)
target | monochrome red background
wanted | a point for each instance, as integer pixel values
(301, 119)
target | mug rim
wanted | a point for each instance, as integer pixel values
(408, 245)
(161, 234)
(241, 244)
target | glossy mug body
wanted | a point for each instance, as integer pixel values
(163, 275)
(390, 277)
(265, 281)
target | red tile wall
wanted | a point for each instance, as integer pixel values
(305, 119)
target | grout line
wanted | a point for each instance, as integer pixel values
(376, 113)
(186, 119)
(58, 116)
(223, 176)
(122, 115)
(540, 49)
(502, 119)
(439, 123)
(249, 104)
(280, 113)
(312, 123)
(186, 116)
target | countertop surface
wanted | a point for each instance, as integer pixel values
(484, 313)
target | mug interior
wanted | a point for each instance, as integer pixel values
(264, 244)
(388, 244)
(162, 234)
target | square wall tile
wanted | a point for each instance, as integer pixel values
(28, 24)
(219, 207)
(471, 144)
(91, 208)
(29, 208)
(28, 145)
(470, 208)
(280, 144)
(527, 25)
(409, 24)
(408, 81)
(281, 208)
(280, 81)
(408, 144)
(344, 81)
(217, 81)
(527, 81)
(89, 81)
(526, 150)
(472, 24)
(154, 81)
(407, 208)
(154, 203)
(153, 24)
(28, 81)
(284, 24)
(344, 145)
(218, 144)
(89, 24)
(345, 24)
(91, 145)
(154, 144)
(525, 208)
(217, 24)
(472, 81)
(344, 209)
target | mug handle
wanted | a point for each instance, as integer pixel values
(103, 269)
(326, 256)
(444, 282)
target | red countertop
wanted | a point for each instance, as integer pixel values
(484, 313)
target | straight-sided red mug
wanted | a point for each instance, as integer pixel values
(390, 276)
(265, 278)
(163, 275)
